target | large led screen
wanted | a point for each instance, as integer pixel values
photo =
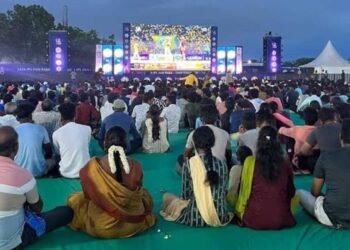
(162, 47)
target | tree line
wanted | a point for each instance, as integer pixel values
(24, 37)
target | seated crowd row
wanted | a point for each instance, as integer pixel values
(47, 132)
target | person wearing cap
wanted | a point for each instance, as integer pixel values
(123, 120)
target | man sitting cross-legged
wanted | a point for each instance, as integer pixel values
(332, 169)
(19, 200)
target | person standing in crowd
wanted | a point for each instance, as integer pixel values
(86, 113)
(155, 137)
(140, 111)
(172, 113)
(190, 80)
(113, 203)
(71, 142)
(32, 139)
(267, 188)
(20, 203)
(47, 118)
(204, 180)
(332, 170)
(9, 119)
(120, 119)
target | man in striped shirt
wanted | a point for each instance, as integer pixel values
(18, 192)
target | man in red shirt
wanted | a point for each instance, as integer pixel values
(86, 113)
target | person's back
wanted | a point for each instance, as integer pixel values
(334, 168)
(111, 182)
(17, 186)
(72, 141)
(250, 137)
(155, 146)
(172, 113)
(119, 119)
(85, 111)
(268, 179)
(31, 138)
(22, 221)
(326, 135)
(269, 202)
(47, 118)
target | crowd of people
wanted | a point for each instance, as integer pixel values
(46, 130)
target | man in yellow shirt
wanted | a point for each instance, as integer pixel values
(190, 80)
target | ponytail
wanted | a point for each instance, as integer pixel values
(118, 174)
(212, 176)
(155, 128)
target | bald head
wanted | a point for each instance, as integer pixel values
(8, 142)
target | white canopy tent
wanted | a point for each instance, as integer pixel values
(329, 60)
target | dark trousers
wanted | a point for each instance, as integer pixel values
(56, 218)
(309, 162)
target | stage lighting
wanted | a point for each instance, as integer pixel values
(231, 54)
(221, 54)
(118, 69)
(107, 69)
(58, 50)
(239, 59)
(118, 53)
(58, 62)
(58, 44)
(107, 52)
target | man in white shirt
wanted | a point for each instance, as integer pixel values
(71, 141)
(172, 113)
(140, 111)
(107, 108)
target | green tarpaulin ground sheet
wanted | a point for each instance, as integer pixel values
(160, 175)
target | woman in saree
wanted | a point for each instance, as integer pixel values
(204, 179)
(113, 203)
(266, 197)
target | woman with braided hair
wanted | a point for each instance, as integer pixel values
(266, 197)
(204, 181)
(155, 137)
(113, 203)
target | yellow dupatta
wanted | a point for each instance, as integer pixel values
(246, 186)
(202, 193)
